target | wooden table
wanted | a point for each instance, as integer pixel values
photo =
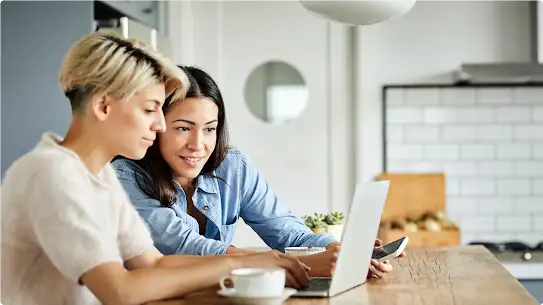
(463, 275)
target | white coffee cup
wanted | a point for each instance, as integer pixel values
(299, 251)
(256, 282)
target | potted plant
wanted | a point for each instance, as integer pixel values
(316, 222)
(334, 221)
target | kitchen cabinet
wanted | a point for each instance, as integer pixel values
(147, 12)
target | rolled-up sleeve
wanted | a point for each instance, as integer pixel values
(171, 234)
(270, 218)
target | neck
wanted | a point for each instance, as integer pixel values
(186, 183)
(86, 143)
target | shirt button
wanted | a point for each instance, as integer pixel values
(206, 207)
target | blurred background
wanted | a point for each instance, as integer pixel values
(450, 88)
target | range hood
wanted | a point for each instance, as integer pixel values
(530, 72)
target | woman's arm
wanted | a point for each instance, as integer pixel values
(178, 275)
(268, 216)
(113, 284)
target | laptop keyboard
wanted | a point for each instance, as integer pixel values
(318, 284)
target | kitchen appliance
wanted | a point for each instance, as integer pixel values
(523, 261)
(130, 28)
(530, 72)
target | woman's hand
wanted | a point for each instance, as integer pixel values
(296, 271)
(380, 269)
(322, 264)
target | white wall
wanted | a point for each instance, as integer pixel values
(308, 162)
(425, 46)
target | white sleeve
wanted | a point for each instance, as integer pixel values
(69, 226)
(134, 236)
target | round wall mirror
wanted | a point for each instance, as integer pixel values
(276, 93)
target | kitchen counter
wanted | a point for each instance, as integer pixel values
(454, 275)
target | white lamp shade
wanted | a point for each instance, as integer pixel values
(358, 12)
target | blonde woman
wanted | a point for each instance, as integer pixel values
(68, 228)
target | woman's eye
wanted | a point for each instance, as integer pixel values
(211, 129)
(182, 128)
(150, 110)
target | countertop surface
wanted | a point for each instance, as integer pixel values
(453, 275)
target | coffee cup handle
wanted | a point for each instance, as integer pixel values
(223, 286)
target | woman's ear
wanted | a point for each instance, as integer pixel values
(101, 106)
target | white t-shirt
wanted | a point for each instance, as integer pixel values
(59, 221)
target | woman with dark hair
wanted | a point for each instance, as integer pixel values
(190, 188)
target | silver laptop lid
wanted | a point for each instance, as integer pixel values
(359, 233)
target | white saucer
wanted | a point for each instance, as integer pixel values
(237, 299)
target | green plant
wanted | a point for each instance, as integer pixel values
(315, 221)
(334, 218)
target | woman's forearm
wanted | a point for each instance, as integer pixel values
(180, 261)
(234, 250)
(180, 277)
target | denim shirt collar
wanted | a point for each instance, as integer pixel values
(207, 184)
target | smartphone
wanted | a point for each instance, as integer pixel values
(390, 251)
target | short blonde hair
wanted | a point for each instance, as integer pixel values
(106, 62)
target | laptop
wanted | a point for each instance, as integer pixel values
(357, 242)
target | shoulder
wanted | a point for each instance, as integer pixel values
(45, 164)
(128, 169)
(235, 161)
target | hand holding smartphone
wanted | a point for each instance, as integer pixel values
(390, 251)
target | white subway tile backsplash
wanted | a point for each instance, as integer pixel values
(513, 115)
(487, 141)
(528, 204)
(477, 186)
(423, 166)
(449, 115)
(513, 223)
(459, 133)
(537, 113)
(394, 97)
(475, 115)
(530, 238)
(538, 223)
(461, 205)
(494, 132)
(477, 224)
(496, 236)
(528, 132)
(537, 151)
(440, 115)
(537, 186)
(513, 186)
(529, 169)
(460, 168)
(395, 166)
(494, 205)
(494, 96)
(495, 169)
(421, 96)
(457, 96)
(466, 238)
(528, 95)
(513, 151)
(404, 115)
(452, 186)
(441, 152)
(404, 151)
(421, 134)
(477, 151)
(394, 133)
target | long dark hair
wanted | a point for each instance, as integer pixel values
(163, 187)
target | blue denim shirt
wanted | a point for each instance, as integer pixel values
(243, 193)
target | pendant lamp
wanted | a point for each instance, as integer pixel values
(358, 12)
